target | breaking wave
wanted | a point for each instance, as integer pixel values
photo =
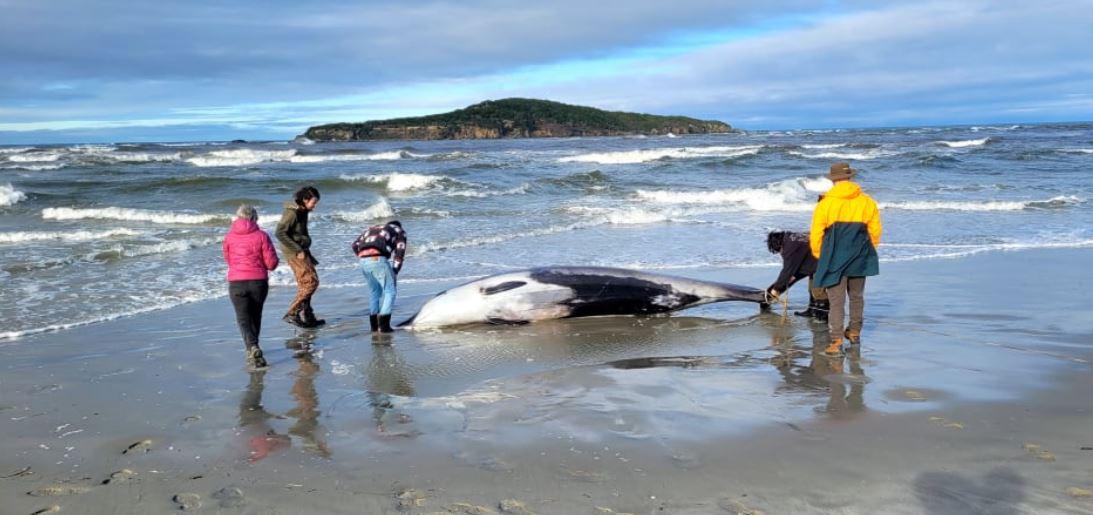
(966, 143)
(239, 157)
(397, 181)
(167, 247)
(994, 205)
(381, 209)
(629, 215)
(959, 251)
(9, 196)
(34, 157)
(790, 195)
(134, 215)
(34, 167)
(862, 155)
(248, 156)
(656, 154)
(27, 236)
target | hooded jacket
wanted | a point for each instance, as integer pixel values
(292, 230)
(846, 230)
(248, 252)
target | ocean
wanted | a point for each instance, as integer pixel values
(91, 233)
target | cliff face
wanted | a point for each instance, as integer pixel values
(515, 118)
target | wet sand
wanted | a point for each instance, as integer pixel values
(970, 394)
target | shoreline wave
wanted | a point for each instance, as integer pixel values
(132, 215)
(657, 154)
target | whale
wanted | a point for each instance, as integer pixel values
(547, 293)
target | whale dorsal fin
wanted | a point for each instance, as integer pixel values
(505, 286)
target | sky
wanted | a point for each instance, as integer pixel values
(126, 70)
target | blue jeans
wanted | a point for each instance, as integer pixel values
(381, 284)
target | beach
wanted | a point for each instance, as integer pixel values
(968, 394)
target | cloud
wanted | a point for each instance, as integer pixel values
(778, 64)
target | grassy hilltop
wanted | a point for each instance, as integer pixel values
(515, 118)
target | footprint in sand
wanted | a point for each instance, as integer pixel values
(514, 507)
(410, 498)
(737, 507)
(58, 490)
(1038, 451)
(140, 446)
(1080, 493)
(187, 501)
(120, 476)
(584, 476)
(944, 422)
(469, 509)
(230, 497)
(600, 510)
(52, 509)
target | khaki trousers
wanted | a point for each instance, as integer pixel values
(853, 287)
(307, 281)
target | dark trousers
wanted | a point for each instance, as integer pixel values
(248, 297)
(854, 288)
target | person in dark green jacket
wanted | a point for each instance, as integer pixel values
(296, 245)
(845, 233)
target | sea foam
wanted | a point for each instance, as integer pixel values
(240, 157)
(397, 181)
(28, 236)
(644, 156)
(9, 196)
(135, 215)
(790, 195)
(966, 143)
(990, 205)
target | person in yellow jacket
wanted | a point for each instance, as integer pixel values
(845, 233)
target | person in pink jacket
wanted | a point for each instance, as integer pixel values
(250, 256)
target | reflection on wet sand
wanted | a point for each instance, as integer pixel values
(306, 412)
(263, 439)
(386, 376)
(841, 376)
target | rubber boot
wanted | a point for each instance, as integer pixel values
(307, 315)
(385, 324)
(374, 321)
(820, 309)
(295, 320)
(809, 311)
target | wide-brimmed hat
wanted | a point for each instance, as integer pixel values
(840, 172)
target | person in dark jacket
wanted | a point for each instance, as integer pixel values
(249, 254)
(846, 230)
(797, 263)
(381, 249)
(296, 244)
